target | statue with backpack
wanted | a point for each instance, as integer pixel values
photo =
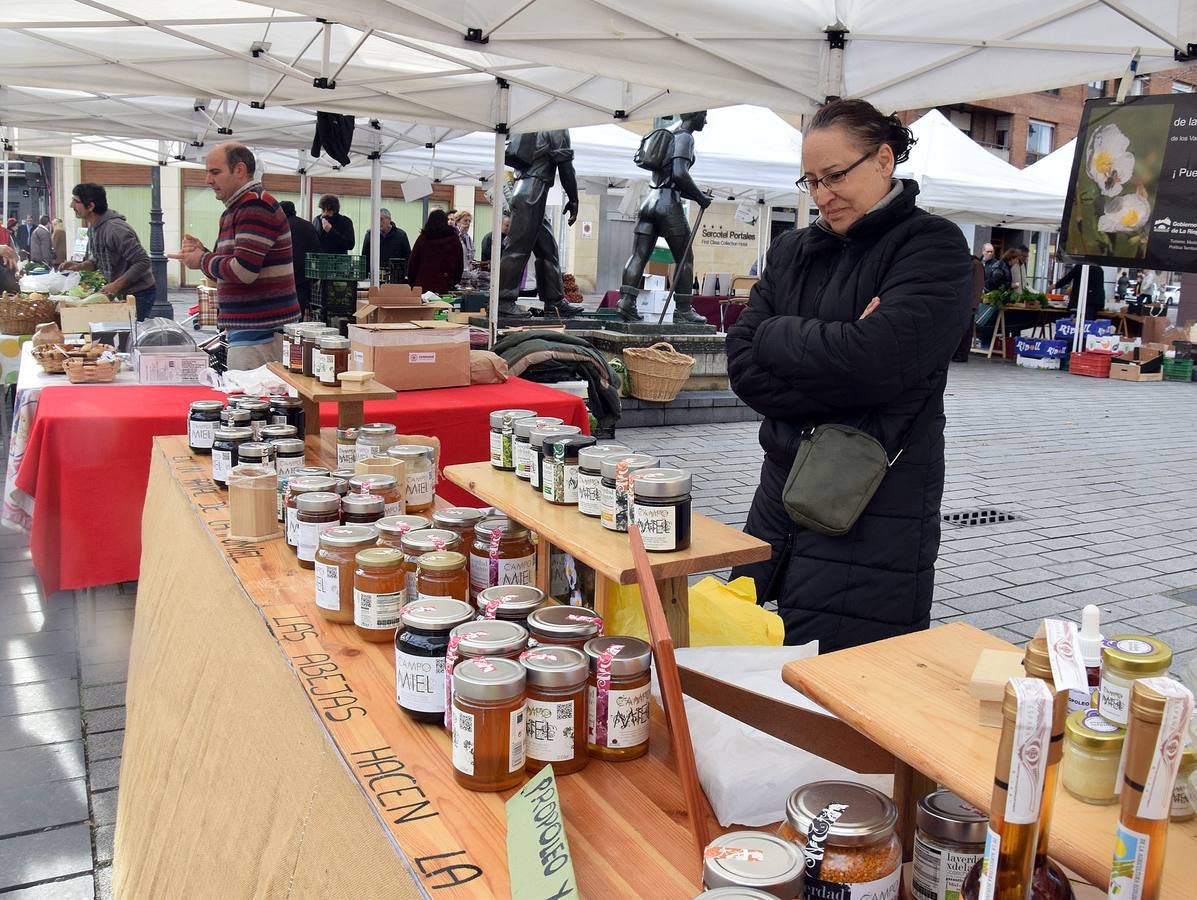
(668, 153)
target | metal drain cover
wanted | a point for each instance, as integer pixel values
(978, 517)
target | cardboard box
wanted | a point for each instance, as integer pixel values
(654, 282)
(181, 367)
(1105, 343)
(78, 319)
(1066, 328)
(383, 315)
(412, 356)
(1037, 362)
(1141, 364)
(394, 295)
(650, 303)
(1040, 348)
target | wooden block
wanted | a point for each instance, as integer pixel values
(355, 381)
(994, 668)
(990, 714)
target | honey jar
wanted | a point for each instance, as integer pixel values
(361, 509)
(203, 418)
(1125, 658)
(226, 441)
(510, 603)
(441, 575)
(259, 414)
(420, 647)
(570, 626)
(1092, 750)
(522, 453)
(378, 588)
(346, 447)
(392, 528)
(288, 411)
(236, 417)
(559, 470)
(296, 486)
(374, 439)
(616, 488)
(536, 450)
(288, 454)
(590, 475)
(315, 513)
(502, 553)
(460, 520)
(330, 359)
(556, 708)
(618, 711)
(506, 640)
(384, 486)
(336, 561)
(502, 436)
(256, 453)
(489, 731)
(290, 335)
(277, 432)
(418, 462)
(415, 544)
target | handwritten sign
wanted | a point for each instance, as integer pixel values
(537, 849)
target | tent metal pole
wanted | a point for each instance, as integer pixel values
(496, 240)
(1078, 338)
(4, 215)
(375, 208)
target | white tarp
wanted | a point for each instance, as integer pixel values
(1053, 171)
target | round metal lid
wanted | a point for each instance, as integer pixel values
(516, 601)
(735, 893)
(551, 666)
(490, 638)
(345, 473)
(523, 427)
(286, 402)
(346, 536)
(488, 679)
(537, 436)
(570, 444)
(557, 622)
(277, 432)
(509, 528)
(590, 458)
(368, 484)
(363, 503)
(632, 658)
(1136, 653)
(662, 484)
(441, 561)
(206, 406)
(944, 815)
(379, 558)
(253, 404)
(401, 525)
(425, 540)
(333, 342)
(260, 449)
(635, 461)
(311, 483)
(754, 859)
(412, 451)
(310, 472)
(375, 430)
(440, 614)
(226, 433)
(458, 517)
(318, 502)
(870, 816)
(1087, 728)
(497, 416)
(288, 446)
(234, 415)
(311, 330)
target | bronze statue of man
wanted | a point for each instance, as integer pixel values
(668, 154)
(539, 158)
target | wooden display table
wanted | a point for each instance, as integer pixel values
(264, 754)
(351, 405)
(713, 545)
(1046, 317)
(910, 695)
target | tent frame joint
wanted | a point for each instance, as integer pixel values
(476, 36)
(324, 84)
(1187, 55)
(837, 36)
(620, 114)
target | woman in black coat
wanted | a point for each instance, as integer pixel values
(854, 322)
(436, 260)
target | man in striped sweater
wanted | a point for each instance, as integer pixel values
(251, 263)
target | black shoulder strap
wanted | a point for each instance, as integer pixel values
(918, 425)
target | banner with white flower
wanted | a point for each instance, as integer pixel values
(1132, 199)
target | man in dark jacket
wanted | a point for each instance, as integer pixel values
(335, 230)
(41, 243)
(487, 245)
(304, 240)
(24, 235)
(1095, 290)
(393, 244)
(113, 248)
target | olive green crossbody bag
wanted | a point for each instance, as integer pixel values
(838, 469)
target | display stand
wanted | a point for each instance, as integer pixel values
(351, 405)
(1046, 318)
(713, 545)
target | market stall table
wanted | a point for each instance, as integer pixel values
(264, 754)
(1045, 318)
(88, 454)
(909, 695)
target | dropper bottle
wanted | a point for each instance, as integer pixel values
(1090, 639)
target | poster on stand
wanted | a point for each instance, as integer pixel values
(1132, 196)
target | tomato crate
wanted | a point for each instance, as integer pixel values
(1090, 363)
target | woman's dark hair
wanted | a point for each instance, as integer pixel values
(1012, 255)
(288, 207)
(437, 224)
(330, 203)
(867, 126)
(89, 192)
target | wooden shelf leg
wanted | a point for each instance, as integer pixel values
(351, 414)
(910, 786)
(675, 598)
(604, 590)
(544, 565)
(311, 417)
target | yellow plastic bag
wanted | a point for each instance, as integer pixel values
(720, 615)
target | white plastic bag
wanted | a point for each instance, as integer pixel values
(50, 283)
(259, 382)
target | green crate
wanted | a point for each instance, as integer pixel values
(1178, 370)
(338, 266)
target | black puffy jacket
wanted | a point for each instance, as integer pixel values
(801, 355)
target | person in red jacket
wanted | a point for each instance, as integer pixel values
(436, 262)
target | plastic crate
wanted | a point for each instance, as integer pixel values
(209, 309)
(1184, 349)
(1178, 370)
(1090, 363)
(333, 298)
(336, 266)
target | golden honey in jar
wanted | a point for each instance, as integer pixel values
(460, 520)
(618, 711)
(392, 528)
(570, 626)
(743, 863)
(378, 591)
(861, 853)
(489, 728)
(502, 553)
(441, 575)
(384, 486)
(419, 463)
(336, 561)
(415, 544)
(556, 708)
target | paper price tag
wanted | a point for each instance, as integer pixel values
(538, 856)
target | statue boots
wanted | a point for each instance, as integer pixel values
(509, 309)
(683, 311)
(562, 308)
(627, 305)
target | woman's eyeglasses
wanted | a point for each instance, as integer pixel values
(832, 180)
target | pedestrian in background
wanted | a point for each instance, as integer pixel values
(41, 243)
(436, 262)
(304, 240)
(113, 249)
(58, 237)
(393, 243)
(334, 230)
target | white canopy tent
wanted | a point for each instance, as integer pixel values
(1053, 172)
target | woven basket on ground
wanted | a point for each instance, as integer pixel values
(657, 374)
(20, 315)
(91, 371)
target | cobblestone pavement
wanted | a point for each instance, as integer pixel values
(1099, 475)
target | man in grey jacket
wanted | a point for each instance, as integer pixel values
(41, 243)
(113, 248)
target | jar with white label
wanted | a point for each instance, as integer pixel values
(420, 470)
(377, 593)
(659, 505)
(590, 475)
(502, 553)
(415, 544)
(1126, 658)
(559, 470)
(615, 491)
(618, 711)
(335, 563)
(420, 656)
(235, 417)
(297, 486)
(384, 486)
(505, 640)
(288, 411)
(330, 359)
(1182, 803)
(748, 862)
(522, 448)
(489, 727)
(950, 838)
(288, 456)
(1092, 749)
(536, 441)
(315, 513)
(374, 439)
(274, 433)
(203, 418)
(510, 603)
(226, 441)
(502, 436)
(391, 529)
(346, 447)
(361, 509)
(256, 453)
(259, 413)
(556, 708)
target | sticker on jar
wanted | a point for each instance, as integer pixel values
(200, 434)
(987, 886)
(939, 871)
(286, 465)
(346, 455)
(463, 741)
(323, 366)
(510, 571)
(328, 586)
(1114, 701)
(420, 489)
(882, 889)
(292, 528)
(658, 526)
(393, 509)
(550, 730)
(308, 538)
(522, 454)
(534, 462)
(517, 733)
(496, 449)
(607, 505)
(628, 716)
(1130, 863)
(589, 494)
(734, 854)
(222, 461)
(561, 485)
(1130, 645)
(420, 682)
(376, 610)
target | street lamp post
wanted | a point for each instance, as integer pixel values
(162, 305)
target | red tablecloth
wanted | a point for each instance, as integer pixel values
(88, 458)
(707, 306)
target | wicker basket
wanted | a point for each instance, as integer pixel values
(657, 374)
(51, 358)
(87, 371)
(21, 314)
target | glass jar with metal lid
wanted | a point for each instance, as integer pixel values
(330, 359)
(374, 439)
(361, 509)
(659, 504)
(616, 487)
(536, 439)
(490, 638)
(315, 513)
(521, 452)
(570, 626)
(757, 861)
(203, 418)
(277, 432)
(442, 574)
(556, 708)
(860, 848)
(295, 361)
(1182, 804)
(335, 563)
(259, 413)
(391, 529)
(226, 441)
(559, 471)
(949, 840)
(735, 893)
(460, 520)
(288, 411)
(377, 593)
(235, 417)
(618, 711)
(1125, 658)
(590, 475)
(1092, 749)
(284, 479)
(420, 469)
(257, 453)
(510, 603)
(489, 731)
(346, 446)
(502, 553)
(420, 647)
(502, 436)
(289, 455)
(384, 486)
(309, 340)
(290, 336)
(298, 485)
(415, 544)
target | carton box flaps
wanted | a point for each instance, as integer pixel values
(394, 295)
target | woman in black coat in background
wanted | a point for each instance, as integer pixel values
(854, 322)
